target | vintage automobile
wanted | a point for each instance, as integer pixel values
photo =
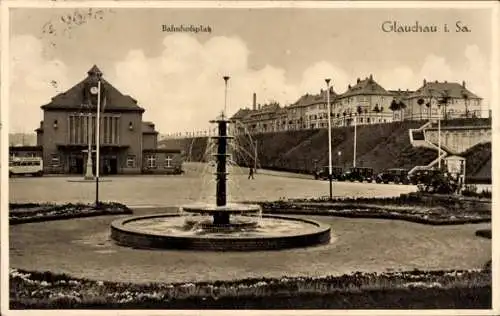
(358, 174)
(396, 175)
(323, 173)
(422, 176)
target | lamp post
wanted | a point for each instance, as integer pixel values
(355, 137)
(226, 78)
(255, 157)
(89, 175)
(439, 136)
(339, 154)
(329, 136)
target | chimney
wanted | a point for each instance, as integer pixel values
(349, 86)
(358, 81)
(371, 77)
(463, 83)
(258, 107)
(425, 82)
(254, 101)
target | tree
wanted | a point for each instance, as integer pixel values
(359, 109)
(394, 107)
(420, 102)
(428, 105)
(443, 101)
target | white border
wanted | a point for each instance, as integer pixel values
(4, 118)
(4, 154)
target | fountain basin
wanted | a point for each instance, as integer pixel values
(213, 209)
(165, 231)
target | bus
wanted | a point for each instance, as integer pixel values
(26, 165)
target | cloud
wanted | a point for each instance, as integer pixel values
(472, 67)
(182, 88)
(33, 81)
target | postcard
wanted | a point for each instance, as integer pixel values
(301, 158)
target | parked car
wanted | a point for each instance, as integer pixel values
(324, 172)
(422, 176)
(358, 174)
(396, 175)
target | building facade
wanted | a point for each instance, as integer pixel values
(444, 100)
(365, 102)
(127, 144)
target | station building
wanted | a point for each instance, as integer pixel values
(128, 145)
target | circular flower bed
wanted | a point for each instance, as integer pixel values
(407, 207)
(29, 212)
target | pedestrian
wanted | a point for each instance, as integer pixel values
(250, 173)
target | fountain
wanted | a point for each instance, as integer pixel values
(229, 227)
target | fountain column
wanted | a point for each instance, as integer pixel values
(221, 218)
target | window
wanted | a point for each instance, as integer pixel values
(130, 161)
(55, 161)
(151, 161)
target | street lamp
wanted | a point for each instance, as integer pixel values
(329, 136)
(89, 175)
(355, 139)
(339, 154)
(255, 157)
(226, 78)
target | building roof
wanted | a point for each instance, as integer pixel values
(73, 98)
(241, 114)
(437, 89)
(148, 128)
(310, 99)
(367, 86)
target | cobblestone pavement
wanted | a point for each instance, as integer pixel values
(163, 190)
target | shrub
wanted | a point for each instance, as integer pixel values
(438, 183)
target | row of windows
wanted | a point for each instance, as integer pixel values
(131, 161)
(79, 133)
(24, 163)
(150, 161)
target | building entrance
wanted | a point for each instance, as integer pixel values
(110, 165)
(76, 165)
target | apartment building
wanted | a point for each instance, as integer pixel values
(365, 102)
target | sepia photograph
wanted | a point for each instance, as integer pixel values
(253, 156)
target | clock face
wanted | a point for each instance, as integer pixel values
(94, 90)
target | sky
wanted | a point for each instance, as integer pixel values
(280, 54)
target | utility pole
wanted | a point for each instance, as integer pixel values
(97, 142)
(329, 136)
(355, 139)
(255, 157)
